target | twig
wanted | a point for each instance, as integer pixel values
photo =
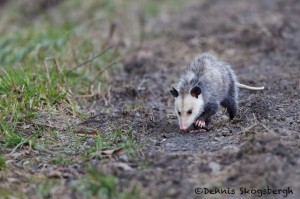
(57, 66)
(109, 94)
(48, 125)
(269, 130)
(104, 69)
(112, 29)
(91, 59)
(85, 96)
(142, 25)
(55, 62)
(47, 71)
(248, 128)
(18, 145)
(262, 125)
(255, 119)
(99, 88)
(107, 101)
(14, 112)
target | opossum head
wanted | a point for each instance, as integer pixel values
(188, 106)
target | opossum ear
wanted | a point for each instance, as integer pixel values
(174, 92)
(196, 91)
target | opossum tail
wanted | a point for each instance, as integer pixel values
(249, 87)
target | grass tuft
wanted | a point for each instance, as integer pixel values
(96, 184)
(117, 139)
(24, 91)
(2, 163)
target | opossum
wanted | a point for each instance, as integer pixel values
(206, 84)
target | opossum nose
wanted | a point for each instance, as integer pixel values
(183, 128)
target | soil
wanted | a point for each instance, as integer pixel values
(260, 147)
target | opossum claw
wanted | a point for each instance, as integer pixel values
(200, 123)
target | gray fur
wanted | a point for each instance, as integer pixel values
(213, 76)
(217, 82)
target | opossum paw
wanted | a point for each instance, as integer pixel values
(200, 123)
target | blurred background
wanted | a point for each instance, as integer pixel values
(64, 48)
(72, 31)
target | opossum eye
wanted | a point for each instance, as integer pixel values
(179, 113)
(189, 112)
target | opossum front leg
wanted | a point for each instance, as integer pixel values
(205, 118)
(200, 122)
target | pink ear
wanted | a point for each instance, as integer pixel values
(196, 91)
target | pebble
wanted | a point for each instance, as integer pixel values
(170, 145)
(215, 168)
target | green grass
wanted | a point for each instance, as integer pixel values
(32, 45)
(113, 140)
(8, 194)
(27, 90)
(39, 83)
(117, 139)
(61, 160)
(24, 91)
(96, 184)
(2, 163)
(44, 189)
(9, 137)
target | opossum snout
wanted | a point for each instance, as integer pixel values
(185, 122)
(183, 128)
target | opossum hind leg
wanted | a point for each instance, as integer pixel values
(231, 107)
(230, 102)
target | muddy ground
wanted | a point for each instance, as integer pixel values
(260, 147)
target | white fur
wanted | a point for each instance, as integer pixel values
(185, 103)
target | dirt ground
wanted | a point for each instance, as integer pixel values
(260, 147)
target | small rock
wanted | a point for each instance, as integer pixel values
(172, 192)
(13, 180)
(123, 158)
(215, 168)
(26, 162)
(289, 120)
(123, 166)
(170, 145)
(231, 148)
(137, 114)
